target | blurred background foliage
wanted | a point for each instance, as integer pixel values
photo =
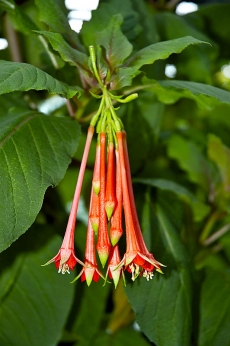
(179, 147)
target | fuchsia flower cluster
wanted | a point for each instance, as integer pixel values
(112, 200)
(111, 195)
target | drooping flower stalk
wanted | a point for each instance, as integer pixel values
(66, 259)
(103, 243)
(116, 230)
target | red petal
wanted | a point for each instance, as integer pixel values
(71, 262)
(96, 276)
(83, 278)
(139, 260)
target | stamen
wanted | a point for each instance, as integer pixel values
(63, 268)
(132, 268)
(135, 270)
(148, 275)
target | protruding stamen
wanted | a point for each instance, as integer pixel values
(148, 275)
(135, 270)
(63, 268)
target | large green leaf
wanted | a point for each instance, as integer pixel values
(116, 45)
(15, 76)
(161, 50)
(34, 301)
(35, 151)
(215, 309)
(200, 210)
(68, 54)
(163, 306)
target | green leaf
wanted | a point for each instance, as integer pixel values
(125, 336)
(68, 54)
(91, 308)
(220, 154)
(12, 99)
(215, 309)
(15, 76)
(200, 210)
(195, 63)
(102, 16)
(205, 95)
(123, 77)
(54, 14)
(190, 159)
(35, 301)
(163, 305)
(161, 50)
(35, 151)
(116, 45)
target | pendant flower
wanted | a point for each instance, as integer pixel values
(66, 259)
(111, 202)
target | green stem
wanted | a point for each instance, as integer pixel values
(96, 116)
(93, 60)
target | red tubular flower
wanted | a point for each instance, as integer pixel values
(66, 259)
(135, 260)
(139, 235)
(94, 208)
(110, 197)
(116, 230)
(90, 271)
(103, 243)
(96, 172)
(114, 271)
